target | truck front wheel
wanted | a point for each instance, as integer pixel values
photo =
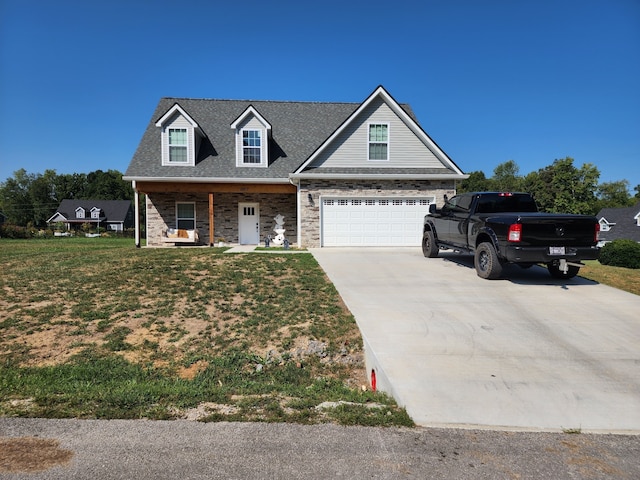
(429, 245)
(486, 261)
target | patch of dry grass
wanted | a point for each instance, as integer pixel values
(626, 279)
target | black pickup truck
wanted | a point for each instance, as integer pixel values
(499, 228)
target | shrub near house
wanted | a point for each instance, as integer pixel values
(621, 253)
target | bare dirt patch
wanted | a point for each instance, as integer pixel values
(30, 455)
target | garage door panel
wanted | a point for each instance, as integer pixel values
(373, 222)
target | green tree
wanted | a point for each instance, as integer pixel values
(14, 198)
(506, 177)
(108, 186)
(70, 185)
(477, 182)
(42, 198)
(614, 195)
(563, 188)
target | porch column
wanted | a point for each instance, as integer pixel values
(211, 226)
(136, 207)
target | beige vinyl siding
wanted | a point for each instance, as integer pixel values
(178, 121)
(350, 148)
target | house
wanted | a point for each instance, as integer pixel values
(339, 173)
(114, 215)
(619, 223)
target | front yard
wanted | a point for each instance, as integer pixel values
(94, 328)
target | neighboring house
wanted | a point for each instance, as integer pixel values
(619, 223)
(114, 215)
(339, 173)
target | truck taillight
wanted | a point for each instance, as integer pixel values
(515, 232)
(596, 233)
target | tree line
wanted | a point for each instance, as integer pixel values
(558, 188)
(29, 200)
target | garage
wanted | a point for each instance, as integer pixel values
(373, 222)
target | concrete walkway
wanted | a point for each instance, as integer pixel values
(523, 352)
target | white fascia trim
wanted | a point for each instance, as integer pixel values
(374, 176)
(205, 180)
(172, 111)
(57, 214)
(250, 111)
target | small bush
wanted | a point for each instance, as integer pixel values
(14, 231)
(621, 253)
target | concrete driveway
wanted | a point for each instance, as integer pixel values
(523, 352)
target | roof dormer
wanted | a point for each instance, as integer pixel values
(605, 226)
(80, 212)
(252, 132)
(181, 137)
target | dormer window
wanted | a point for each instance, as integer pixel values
(252, 133)
(180, 137)
(95, 212)
(80, 212)
(178, 145)
(378, 141)
(251, 146)
(605, 226)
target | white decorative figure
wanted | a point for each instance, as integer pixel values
(279, 238)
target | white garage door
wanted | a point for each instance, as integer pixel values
(383, 221)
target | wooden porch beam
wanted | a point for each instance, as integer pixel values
(178, 187)
(211, 226)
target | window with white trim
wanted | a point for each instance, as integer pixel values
(178, 145)
(186, 216)
(378, 141)
(251, 147)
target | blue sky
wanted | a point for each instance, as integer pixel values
(490, 81)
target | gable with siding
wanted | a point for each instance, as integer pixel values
(350, 148)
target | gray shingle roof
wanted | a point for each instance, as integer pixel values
(112, 210)
(299, 128)
(625, 226)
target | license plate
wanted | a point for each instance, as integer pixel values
(556, 250)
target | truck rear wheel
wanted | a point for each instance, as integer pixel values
(429, 245)
(556, 272)
(486, 261)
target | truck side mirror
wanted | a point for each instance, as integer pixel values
(432, 208)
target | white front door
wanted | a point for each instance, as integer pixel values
(248, 223)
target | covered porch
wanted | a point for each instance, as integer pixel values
(234, 213)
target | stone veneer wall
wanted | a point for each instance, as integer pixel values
(161, 214)
(310, 210)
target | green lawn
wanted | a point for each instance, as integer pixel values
(626, 279)
(95, 328)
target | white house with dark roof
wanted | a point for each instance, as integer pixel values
(113, 215)
(339, 173)
(619, 224)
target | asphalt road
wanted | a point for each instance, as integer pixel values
(139, 449)
(525, 351)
